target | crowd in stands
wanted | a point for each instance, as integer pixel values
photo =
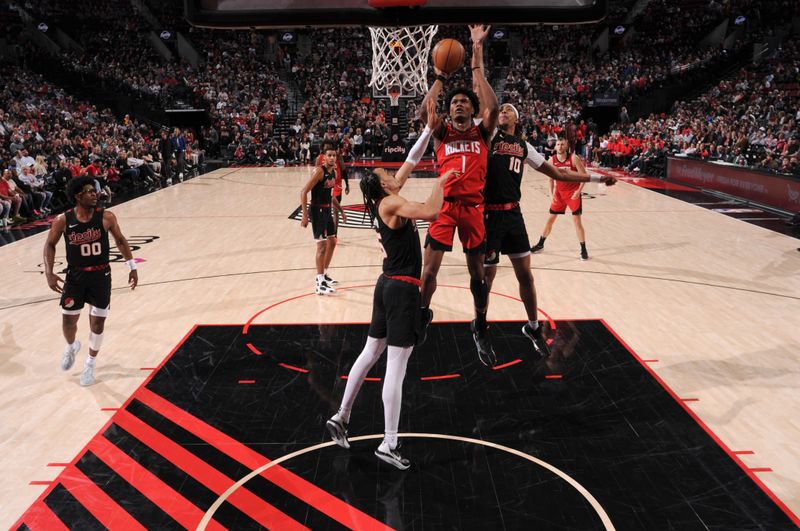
(750, 119)
(48, 137)
(270, 103)
(115, 47)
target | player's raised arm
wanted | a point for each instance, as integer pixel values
(433, 96)
(416, 153)
(488, 99)
(315, 178)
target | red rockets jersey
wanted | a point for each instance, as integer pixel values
(467, 153)
(565, 185)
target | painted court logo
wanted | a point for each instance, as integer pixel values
(357, 218)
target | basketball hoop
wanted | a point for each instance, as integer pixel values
(400, 58)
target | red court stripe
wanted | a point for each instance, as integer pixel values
(254, 350)
(147, 368)
(793, 517)
(80, 454)
(649, 361)
(96, 501)
(57, 464)
(318, 498)
(39, 516)
(158, 492)
(40, 482)
(442, 377)
(247, 381)
(553, 376)
(109, 409)
(504, 365)
(744, 452)
(244, 500)
(292, 367)
(690, 400)
(760, 470)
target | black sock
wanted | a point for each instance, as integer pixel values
(480, 320)
(541, 240)
(583, 246)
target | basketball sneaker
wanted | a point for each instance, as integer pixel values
(425, 319)
(68, 357)
(87, 376)
(323, 288)
(393, 457)
(338, 431)
(537, 248)
(330, 281)
(538, 339)
(584, 255)
(483, 343)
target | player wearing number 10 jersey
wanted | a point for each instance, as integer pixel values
(85, 231)
(505, 227)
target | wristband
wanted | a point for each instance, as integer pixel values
(440, 77)
(596, 179)
(131, 264)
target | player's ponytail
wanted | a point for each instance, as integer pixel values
(373, 192)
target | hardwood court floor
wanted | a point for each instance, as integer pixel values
(714, 300)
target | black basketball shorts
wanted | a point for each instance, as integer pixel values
(505, 233)
(86, 287)
(395, 312)
(322, 224)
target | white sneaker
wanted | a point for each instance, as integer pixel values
(330, 281)
(68, 358)
(87, 376)
(323, 288)
(393, 457)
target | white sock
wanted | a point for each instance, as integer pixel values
(390, 438)
(342, 416)
(320, 279)
(533, 324)
(90, 361)
(393, 390)
(73, 344)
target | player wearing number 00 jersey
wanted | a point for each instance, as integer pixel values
(85, 230)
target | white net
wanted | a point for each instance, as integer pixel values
(400, 59)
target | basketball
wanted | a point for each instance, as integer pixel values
(448, 55)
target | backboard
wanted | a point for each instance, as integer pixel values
(333, 13)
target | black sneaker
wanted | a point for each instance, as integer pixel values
(537, 248)
(584, 255)
(330, 281)
(483, 343)
(425, 319)
(393, 457)
(538, 339)
(338, 431)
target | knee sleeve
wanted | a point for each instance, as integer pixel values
(96, 341)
